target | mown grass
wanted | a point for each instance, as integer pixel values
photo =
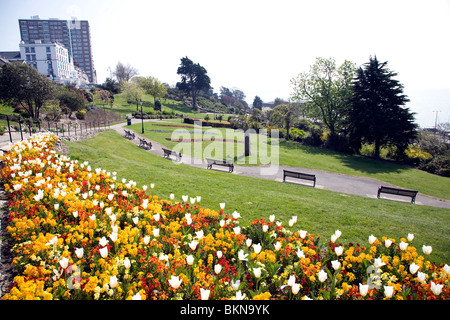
(319, 211)
(297, 155)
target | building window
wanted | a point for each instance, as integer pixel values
(33, 50)
(47, 49)
(27, 50)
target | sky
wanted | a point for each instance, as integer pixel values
(259, 46)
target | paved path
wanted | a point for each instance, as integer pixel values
(346, 184)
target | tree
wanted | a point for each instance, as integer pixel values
(21, 84)
(326, 89)
(153, 87)
(193, 79)
(284, 115)
(72, 98)
(124, 73)
(377, 114)
(257, 103)
(133, 92)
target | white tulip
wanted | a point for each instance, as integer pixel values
(222, 205)
(248, 242)
(257, 272)
(295, 288)
(217, 268)
(172, 196)
(113, 281)
(372, 239)
(257, 248)
(335, 264)
(175, 282)
(403, 246)
(136, 220)
(64, 263)
(242, 256)
(237, 230)
(113, 236)
(190, 260)
(127, 263)
(291, 280)
(363, 289)
(193, 245)
(388, 291)
(146, 239)
(184, 198)
(322, 276)
(277, 246)
(303, 234)
(103, 241)
(79, 252)
(421, 276)
(387, 243)
(413, 268)
(236, 215)
(427, 249)
(204, 294)
(240, 296)
(199, 234)
(339, 250)
(446, 269)
(272, 218)
(235, 285)
(104, 252)
(155, 232)
(436, 288)
(219, 254)
(410, 237)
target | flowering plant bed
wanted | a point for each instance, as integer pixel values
(79, 233)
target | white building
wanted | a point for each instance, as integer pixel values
(52, 60)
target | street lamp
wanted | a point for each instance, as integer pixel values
(142, 116)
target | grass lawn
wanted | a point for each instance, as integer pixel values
(296, 155)
(319, 211)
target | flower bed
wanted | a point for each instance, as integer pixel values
(79, 233)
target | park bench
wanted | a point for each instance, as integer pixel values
(398, 192)
(299, 175)
(144, 144)
(129, 135)
(168, 153)
(224, 163)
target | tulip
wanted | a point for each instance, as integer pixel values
(219, 254)
(188, 218)
(172, 196)
(248, 242)
(427, 249)
(175, 282)
(294, 218)
(388, 291)
(339, 250)
(257, 248)
(272, 218)
(113, 217)
(235, 285)
(204, 294)
(145, 203)
(136, 220)
(322, 276)
(295, 288)
(184, 198)
(291, 280)
(265, 228)
(240, 296)
(410, 237)
(236, 215)
(193, 245)
(144, 187)
(190, 260)
(378, 263)
(436, 288)
(199, 234)
(403, 246)
(421, 276)
(302, 234)
(108, 211)
(104, 252)
(277, 246)
(137, 296)
(237, 230)
(217, 268)
(113, 281)
(257, 272)
(413, 268)
(155, 232)
(335, 264)
(147, 239)
(79, 252)
(222, 205)
(75, 214)
(242, 256)
(92, 217)
(387, 243)
(103, 242)
(333, 238)
(222, 223)
(300, 253)
(447, 269)
(291, 223)
(192, 200)
(199, 198)
(372, 239)
(363, 289)
(64, 263)
(152, 185)
(110, 196)
(127, 263)
(338, 233)
(113, 236)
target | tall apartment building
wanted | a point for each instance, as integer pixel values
(73, 34)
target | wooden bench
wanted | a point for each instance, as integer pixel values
(299, 175)
(168, 153)
(129, 135)
(398, 192)
(144, 144)
(224, 163)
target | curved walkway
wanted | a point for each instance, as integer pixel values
(346, 184)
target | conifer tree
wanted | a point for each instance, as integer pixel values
(377, 113)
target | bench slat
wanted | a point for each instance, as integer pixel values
(399, 192)
(299, 175)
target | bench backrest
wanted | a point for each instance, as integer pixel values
(401, 192)
(299, 175)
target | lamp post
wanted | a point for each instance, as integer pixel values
(142, 116)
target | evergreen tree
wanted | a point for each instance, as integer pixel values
(377, 113)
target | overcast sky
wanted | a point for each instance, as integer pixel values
(259, 46)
